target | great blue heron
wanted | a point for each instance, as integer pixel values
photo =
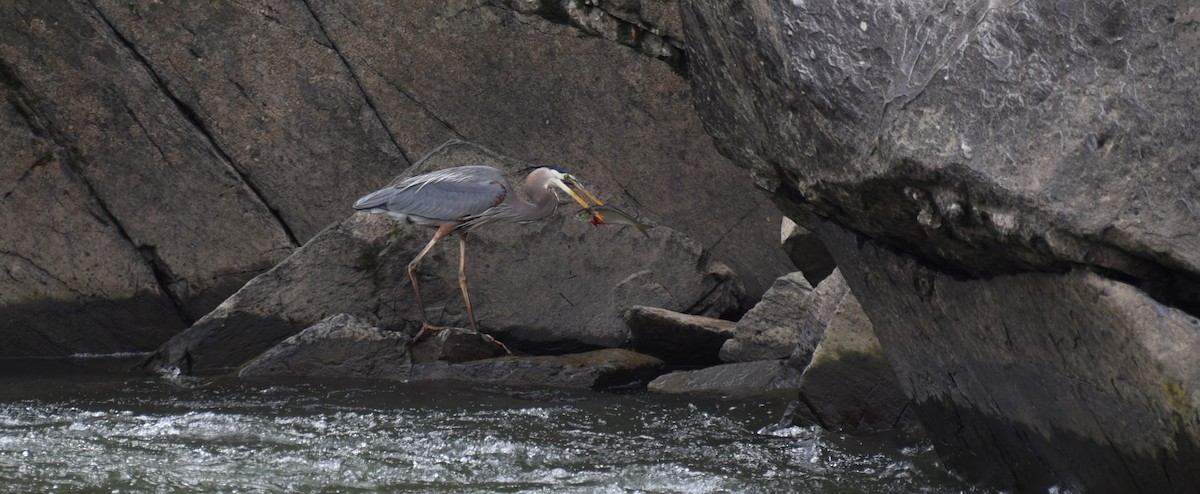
(462, 199)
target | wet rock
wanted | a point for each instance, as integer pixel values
(787, 322)
(338, 346)
(677, 338)
(549, 286)
(590, 370)
(740, 379)
(806, 251)
(849, 385)
(454, 345)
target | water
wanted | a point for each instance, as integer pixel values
(76, 428)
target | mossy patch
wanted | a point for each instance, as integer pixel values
(1177, 398)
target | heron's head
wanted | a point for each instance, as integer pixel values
(560, 179)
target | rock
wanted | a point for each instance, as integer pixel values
(739, 380)
(787, 322)
(1010, 193)
(591, 370)
(575, 282)
(849, 385)
(806, 251)
(869, 114)
(454, 345)
(206, 141)
(77, 285)
(343, 346)
(1037, 379)
(340, 346)
(677, 338)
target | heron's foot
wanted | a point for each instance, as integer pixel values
(426, 328)
(490, 339)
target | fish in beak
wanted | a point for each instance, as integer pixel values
(569, 184)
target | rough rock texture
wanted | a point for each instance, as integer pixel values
(1035, 164)
(199, 143)
(598, 369)
(985, 137)
(806, 251)
(677, 338)
(740, 379)
(849, 386)
(553, 286)
(1089, 384)
(338, 346)
(787, 322)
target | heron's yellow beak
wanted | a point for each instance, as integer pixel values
(570, 186)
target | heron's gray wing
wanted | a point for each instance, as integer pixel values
(444, 195)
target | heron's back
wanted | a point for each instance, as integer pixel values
(441, 197)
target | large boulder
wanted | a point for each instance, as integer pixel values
(1036, 379)
(1010, 191)
(200, 143)
(553, 286)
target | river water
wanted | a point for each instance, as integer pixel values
(71, 426)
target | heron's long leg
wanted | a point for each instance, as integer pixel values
(462, 283)
(462, 278)
(442, 231)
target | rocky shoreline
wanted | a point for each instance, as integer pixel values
(977, 220)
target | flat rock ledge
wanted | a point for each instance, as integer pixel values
(764, 377)
(600, 369)
(675, 337)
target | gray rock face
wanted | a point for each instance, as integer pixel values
(677, 338)
(337, 346)
(740, 379)
(1089, 384)
(989, 138)
(201, 143)
(552, 285)
(1006, 150)
(849, 386)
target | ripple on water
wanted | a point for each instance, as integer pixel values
(156, 435)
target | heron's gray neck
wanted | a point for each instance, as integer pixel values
(542, 203)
